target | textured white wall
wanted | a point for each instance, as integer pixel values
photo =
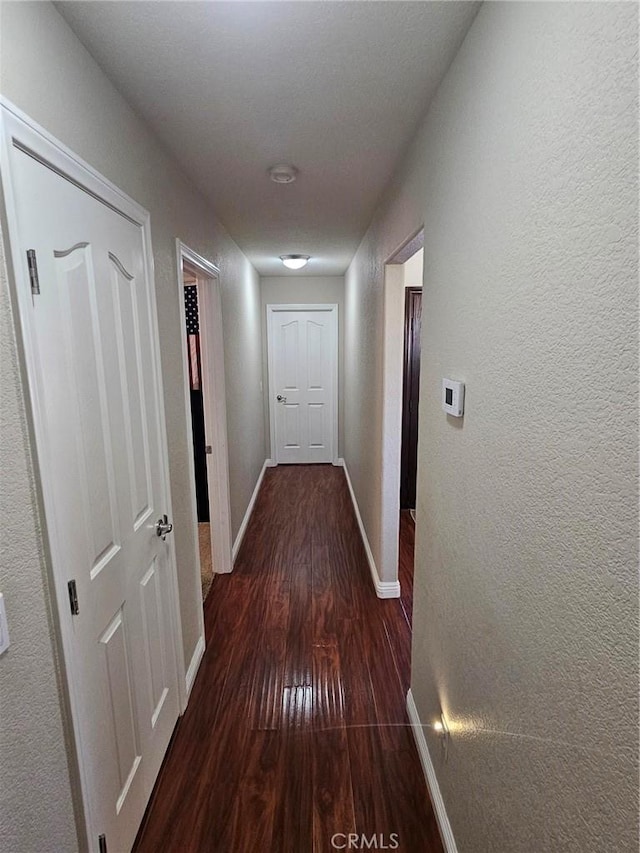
(526, 601)
(305, 290)
(63, 89)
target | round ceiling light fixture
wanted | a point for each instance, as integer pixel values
(295, 262)
(283, 173)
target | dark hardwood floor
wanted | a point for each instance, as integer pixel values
(296, 729)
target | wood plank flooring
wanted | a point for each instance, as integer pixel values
(206, 559)
(296, 729)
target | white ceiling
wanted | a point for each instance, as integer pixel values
(231, 88)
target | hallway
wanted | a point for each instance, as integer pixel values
(296, 729)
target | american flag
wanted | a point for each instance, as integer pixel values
(193, 334)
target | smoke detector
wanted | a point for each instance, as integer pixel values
(282, 173)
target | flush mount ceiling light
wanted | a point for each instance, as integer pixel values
(283, 173)
(295, 262)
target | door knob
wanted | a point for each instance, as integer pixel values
(281, 399)
(163, 526)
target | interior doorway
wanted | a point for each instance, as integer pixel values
(403, 274)
(410, 397)
(411, 272)
(203, 369)
(198, 430)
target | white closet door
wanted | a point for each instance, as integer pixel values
(105, 482)
(303, 358)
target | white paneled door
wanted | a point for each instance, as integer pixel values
(303, 358)
(92, 352)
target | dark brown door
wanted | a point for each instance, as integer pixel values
(410, 396)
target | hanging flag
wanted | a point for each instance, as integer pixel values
(193, 334)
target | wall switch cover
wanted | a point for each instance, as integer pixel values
(4, 628)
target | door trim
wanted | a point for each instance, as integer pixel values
(212, 350)
(20, 131)
(328, 308)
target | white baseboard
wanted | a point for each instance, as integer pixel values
(384, 589)
(446, 833)
(194, 666)
(245, 521)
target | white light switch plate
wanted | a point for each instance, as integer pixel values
(4, 628)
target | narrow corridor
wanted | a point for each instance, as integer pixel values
(296, 731)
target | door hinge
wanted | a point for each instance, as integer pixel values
(33, 272)
(208, 448)
(102, 844)
(73, 598)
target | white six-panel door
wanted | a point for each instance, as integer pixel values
(93, 371)
(303, 355)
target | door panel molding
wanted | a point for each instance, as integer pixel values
(331, 309)
(19, 133)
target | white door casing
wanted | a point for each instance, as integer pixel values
(303, 382)
(92, 357)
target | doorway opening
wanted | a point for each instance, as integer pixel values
(412, 280)
(412, 272)
(402, 304)
(204, 386)
(198, 431)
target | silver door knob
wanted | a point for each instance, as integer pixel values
(163, 526)
(281, 399)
